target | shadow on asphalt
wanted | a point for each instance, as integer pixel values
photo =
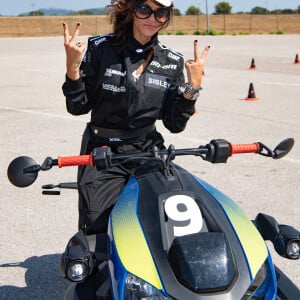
(43, 280)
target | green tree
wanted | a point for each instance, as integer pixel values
(223, 8)
(257, 10)
(36, 13)
(275, 12)
(193, 11)
(287, 11)
(176, 12)
(85, 12)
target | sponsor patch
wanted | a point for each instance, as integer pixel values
(110, 73)
(115, 139)
(100, 41)
(113, 88)
(173, 56)
(156, 64)
(157, 81)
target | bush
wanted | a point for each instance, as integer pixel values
(215, 32)
(244, 33)
(180, 32)
(198, 32)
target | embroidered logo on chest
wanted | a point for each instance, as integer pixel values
(156, 64)
(157, 81)
(111, 72)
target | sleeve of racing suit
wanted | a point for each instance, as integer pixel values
(177, 110)
(79, 93)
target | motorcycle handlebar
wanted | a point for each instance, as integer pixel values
(79, 160)
(244, 148)
(23, 170)
(217, 151)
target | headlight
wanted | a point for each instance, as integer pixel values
(77, 262)
(293, 249)
(285, 238)
(77, 270)
(138, 289)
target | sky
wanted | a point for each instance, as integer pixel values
(16, 7)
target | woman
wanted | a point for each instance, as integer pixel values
(127, 80)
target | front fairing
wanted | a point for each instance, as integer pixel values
(128, 249)
(140, 239)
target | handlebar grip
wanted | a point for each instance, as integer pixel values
(244, 148)
(79, 160)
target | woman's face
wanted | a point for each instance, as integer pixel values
(144, 29)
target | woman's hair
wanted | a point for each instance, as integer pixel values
(121, 13)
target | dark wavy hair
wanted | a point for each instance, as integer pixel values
(121, 14)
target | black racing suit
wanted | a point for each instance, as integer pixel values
(123, 102)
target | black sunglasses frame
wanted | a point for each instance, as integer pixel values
(146, 8)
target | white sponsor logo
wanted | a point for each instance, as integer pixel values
(173, 56)
(113, 88)
(115, 139)
(158, 82)
(165, 67)
(101, 40)
(110, 72)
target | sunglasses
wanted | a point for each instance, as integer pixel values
(144, 11)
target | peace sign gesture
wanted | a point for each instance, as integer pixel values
(74, 51)
(194, 67)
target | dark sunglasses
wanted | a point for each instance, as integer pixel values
(144, 11)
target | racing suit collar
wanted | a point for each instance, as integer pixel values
(134, 46)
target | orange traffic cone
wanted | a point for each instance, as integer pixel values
(252, 66)
(251, 93)
(297, 60)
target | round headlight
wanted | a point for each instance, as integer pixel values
(77, 271)
(293, 249)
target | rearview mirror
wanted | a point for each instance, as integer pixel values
(22, 171)
(283, 148)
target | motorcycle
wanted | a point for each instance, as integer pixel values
(171, 235)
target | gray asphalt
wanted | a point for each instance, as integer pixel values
(34, 122)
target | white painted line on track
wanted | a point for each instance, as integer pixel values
(39, 113)
(281, 83)
(49, 115)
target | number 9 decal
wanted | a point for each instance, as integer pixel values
(184, 209)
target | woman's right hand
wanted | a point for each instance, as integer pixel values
(74, 51)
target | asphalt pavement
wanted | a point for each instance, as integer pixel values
(35, 228)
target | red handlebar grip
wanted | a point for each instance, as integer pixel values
(244, 148)
(79, 160)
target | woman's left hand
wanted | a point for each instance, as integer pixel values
(194, 67)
